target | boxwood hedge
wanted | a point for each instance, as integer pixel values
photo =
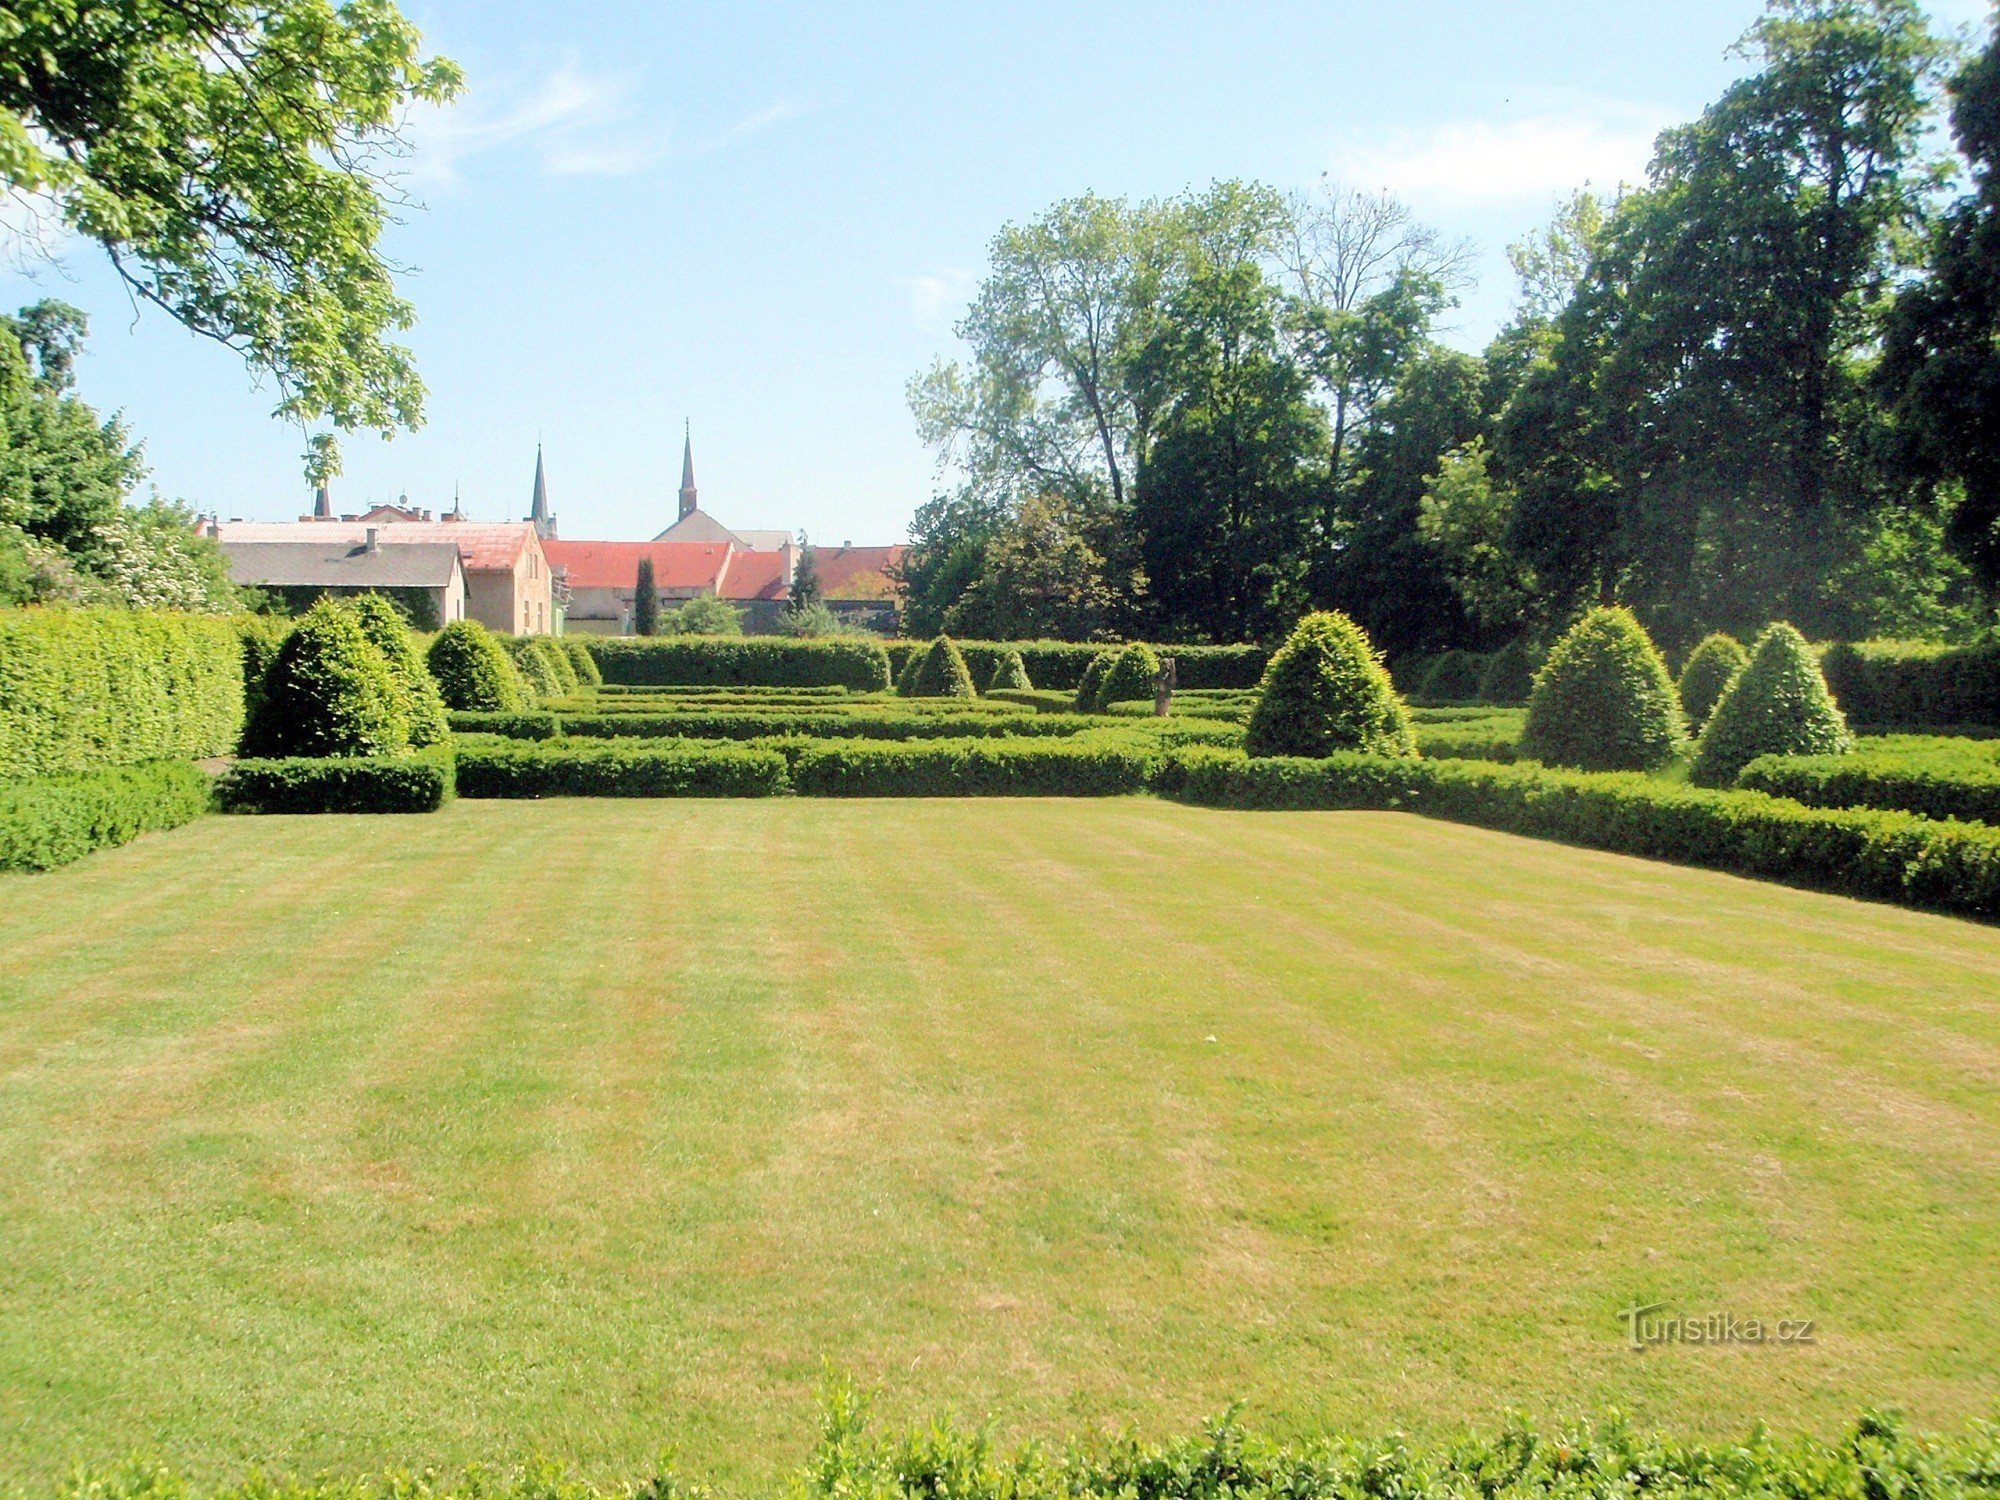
(1061, 664)
(1936, 789)
(563, 768)
(338, 784)
(750, 661)
(47, 821)
(1085, 766)
(1898, 682)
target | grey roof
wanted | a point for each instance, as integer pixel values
(697, 526)
(764, 541)
(333, 563)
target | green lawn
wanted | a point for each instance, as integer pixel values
(595, 1127)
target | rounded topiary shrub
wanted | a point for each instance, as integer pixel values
(1130, 677)
(1707, 673)
(942, 673)
(1777, 705)
(423, 706)
(1009, 672)
(1453, 677)
(1093, 679)
(473, 670)
(1510, 672)
(550, 650)
(535, 668)
(329, 691)
(1603, 701)
(1326, 690)
(588, 673)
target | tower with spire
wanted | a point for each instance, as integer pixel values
(688, 502)
(323, 502)
(539, 513)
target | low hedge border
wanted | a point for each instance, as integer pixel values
(1078, 767)
(356, 784)
(1060, 664)
(1891, 856)
(1898, 682)
(752, 661)
(1862, 780)
(517, 726)
(489, 769)
(49, 821)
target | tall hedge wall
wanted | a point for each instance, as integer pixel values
(1060, 664)
(742, 661)
(84, 688)
(1900, 683)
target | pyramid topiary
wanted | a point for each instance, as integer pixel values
(473, 670)
(1706, 675)
(906, 680)
(1777, 705)
(1010, 672)
(582, 662)
(535, 668)
(1326, 690)
(423, 708)
(1510, 672)
(942, 673)
(329, 692)
(1130, 676)
(1604, 701)
(550, 650)
(1093, 678)
(1453, 677)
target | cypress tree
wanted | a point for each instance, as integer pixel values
(805, 580)
(645, 601)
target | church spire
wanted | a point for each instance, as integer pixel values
(545, 523)
(687, 474)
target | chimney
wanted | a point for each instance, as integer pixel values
(372, 545)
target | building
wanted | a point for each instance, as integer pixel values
(539, 515)
(427, 579)
(601, 579)
(696, 525)
(509, 584)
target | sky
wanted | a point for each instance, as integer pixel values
(760, 221)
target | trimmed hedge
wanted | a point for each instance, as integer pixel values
(1010, 674)
(521, 726)
(942, 673)
(1131, 676)
(1092, 682)
(1710, 668)
(330, 692)
(52, 820)
(1888, 856)
(1509, 676)
(565, 769)
(338, 784)
(1603, 701)
(423, 705)
(1897, 682)
(1061, 664)
(474, 672)
(537, 668)
(746, 661)
(1969, 790)
(581, 662)
(1453, 677)
(1777, 705)
(84, 688)
(1084, 767)
(1327, 690)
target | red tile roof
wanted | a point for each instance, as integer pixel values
(756, 575)
(839, 566)
(615, 565)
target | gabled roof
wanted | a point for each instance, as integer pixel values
(487, 546)
(615, 565)
(698, 526)
(315, 562)
(839, 566)
(756, 575)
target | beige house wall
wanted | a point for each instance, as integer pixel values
(518, 601)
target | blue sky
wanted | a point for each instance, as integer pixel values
(763, 219)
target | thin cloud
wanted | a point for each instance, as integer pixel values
(1510, 161)
(753, 124)
(937, 297)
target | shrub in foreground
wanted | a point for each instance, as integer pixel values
(474, 672)
(1327, 690)
(941, 673)
(51, 820)
(1130, 677)
(329, 692)
(1710, 668)
(1777, 705)
(423, 706)
(360, 784)
(1010, 674)
(1603, 701)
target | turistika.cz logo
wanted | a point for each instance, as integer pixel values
(1652, 1325)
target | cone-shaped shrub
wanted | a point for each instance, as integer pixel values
(1130, 676)
(474, 672)
(582, 662)
(1010, 672)
(1327, 690)
(943, 673)
(1707, 674)
(1604, 701)
(423, 707)
(329, 692)
(1510, 672)
(1777, 705)
(906, 680)
(534, 667)
(1093, 679)
(1453, 677)
(550, 650)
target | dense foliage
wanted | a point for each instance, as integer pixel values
(1777, 705)
(329, 692)
(1061, 664)
(423, 705)
(374, 784)
(1603, 701)
(51, 820)
(1326, 690)
(1938, 786)
(1900, 684)
(1707, 674)
(942, 673)
(1094, 765)
(473, 670)
(535, 666)
(81, 688)
(1009, 673)
(645, 600)
(750, 661)
(1131, 676)
(581, 662)
(1509, 674)
(1087, 686)
(513, 768)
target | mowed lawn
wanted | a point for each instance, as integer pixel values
(592, 1128)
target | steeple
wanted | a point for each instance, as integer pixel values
(545, 523)
(687, 474)
(323, 502)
